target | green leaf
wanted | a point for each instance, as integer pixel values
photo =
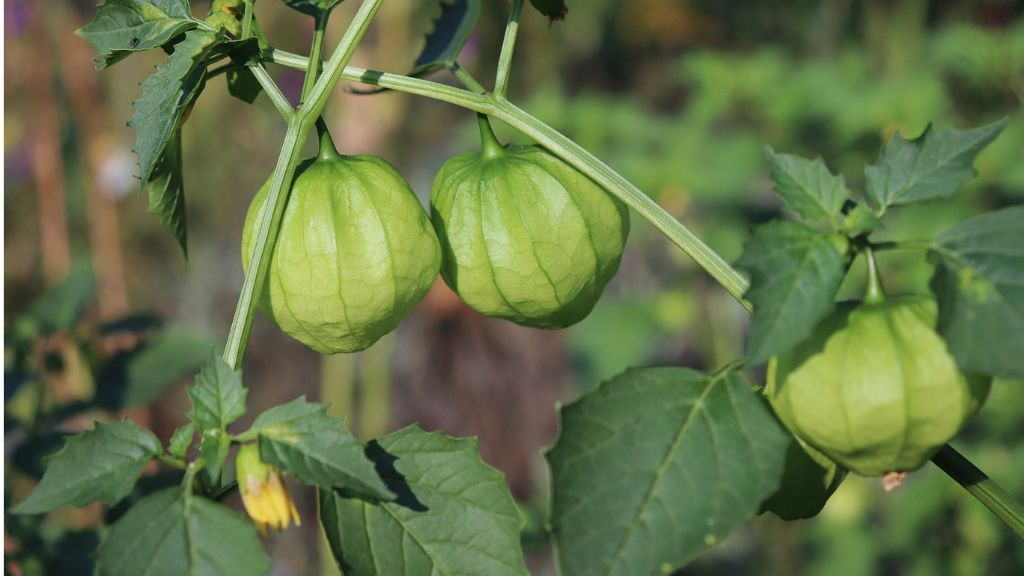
(809, 480)
(933, 165)
(99, 465)
(123, 27)
(138, 377)
(301, 438)
(182, 439)
(313, 7)
(807, 187)
(218, 397)
(451, 31)
(658, 465)
(167, 94)
(170, 533)
(795, 273)
(242, 84)
(453, 514)
(214, 445)
(166, 192)
(860, 220)
(979, 284)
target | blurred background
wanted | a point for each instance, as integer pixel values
(102, 310)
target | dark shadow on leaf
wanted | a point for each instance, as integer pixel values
(144, 487)
(384, 463)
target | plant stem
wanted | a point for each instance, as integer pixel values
(875, 293)
(994, 497)
(508, 47)
(918, 245)
(490, 146)
(299, 125)
(172, 461)
(247, 19)
(468, 80)
(266, 235)
(339, 59)
(262, 76)
(319, 28)
(273, 92)
(188, 480)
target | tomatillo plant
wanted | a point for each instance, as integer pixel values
(651, 468)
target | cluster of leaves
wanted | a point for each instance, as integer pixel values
(124, 27)
(375, 500)
(700, 453)
(797, 266)
(56, 341)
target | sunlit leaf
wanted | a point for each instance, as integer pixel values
(656, 466)
(122, 27)
(218, 397)
(807, 186)
(795, 274)
(167, 96)
(934, 165)
(979, 284)
(453, 513)
(301, 438)
(99, 465)
(182, 439)
(166, 192)
(170, 533)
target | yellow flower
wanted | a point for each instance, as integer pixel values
(264, 494)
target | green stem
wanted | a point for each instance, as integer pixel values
(273, 92)
(915, 245)
(508, 47)
(491, 148)
(299, 125)
(224, 68)
(266, 82)
(468, 80)
(328, 151)
(188, 480)
(247, 19)
(339, 59)
(875, 292)
(320, 27)
(172, 461)
(994, 497)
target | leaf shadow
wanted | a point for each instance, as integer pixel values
(384, 464)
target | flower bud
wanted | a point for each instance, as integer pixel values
(264, 494)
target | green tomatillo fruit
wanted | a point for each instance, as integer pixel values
(525, 236)
(355, 252)
(874, 388)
